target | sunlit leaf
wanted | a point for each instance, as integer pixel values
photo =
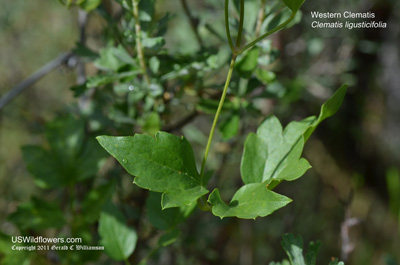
(162, 164)
(329, 108)
(249, 202)
(271, 156)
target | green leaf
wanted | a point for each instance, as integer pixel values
(12, 257)
(329, 108)
(284, 262)
(152, 124)
(68, 159)
(264, 76)
(168, 238)
(313, 248)
(270, 156)
(163, 164)
(146, 9)
(273, 20)
(168, 218)
(154, 64)
(393, 188)
(210, 106)
(336, 262)
(153, 44)
(294, 5)
(103, 79)
(89, 5)
(247, 64)
(249, 202)
(65, 136)
(230, 127)
(38, 215)
(293, 246)
(118, 239)
(114, 58)
(94, 201)
(49, 176)
(273, 153)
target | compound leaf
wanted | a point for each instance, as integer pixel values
(163, 164)
(271, 156)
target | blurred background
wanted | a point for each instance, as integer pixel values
(349, 200)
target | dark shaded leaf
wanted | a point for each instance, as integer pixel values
(38, 215)
(118, 239)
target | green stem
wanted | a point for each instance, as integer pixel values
(251, 44)
(241, 22)
(151, 253)
(228, 31)
(214, 125)
(139, 48)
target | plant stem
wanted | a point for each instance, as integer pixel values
(139, 48)
(214, 125)
(241, 22)
(228, 31)
(251, 44)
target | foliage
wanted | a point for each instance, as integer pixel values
(293, 246)
(142, 87)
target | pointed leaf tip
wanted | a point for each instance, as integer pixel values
(249, 202)
(328, 109)
(294, 5)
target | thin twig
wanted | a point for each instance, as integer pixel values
(347, 245)
(15, 91)
(139, 47)
(348, 222)
(193, 22)
(214, 125)
(80, 68)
